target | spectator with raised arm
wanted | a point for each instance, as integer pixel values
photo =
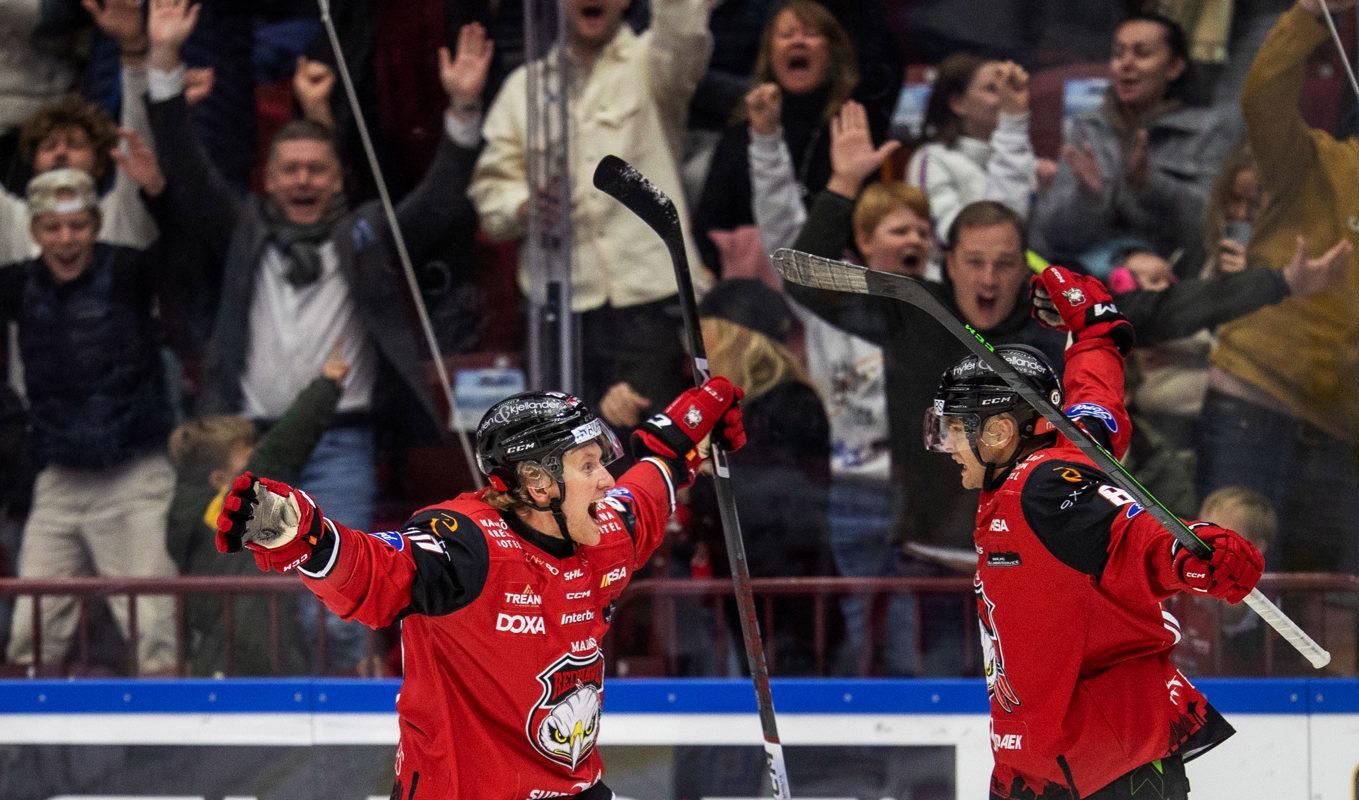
(207, 453)
(976, 139)
(74, 133)
(630, 99)
(301, 270)
(892, 233)
(805, 71)
(984, 284)
(1282, 412)
(99, 412)
(1138, 167)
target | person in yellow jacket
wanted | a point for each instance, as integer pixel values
(1282, 412)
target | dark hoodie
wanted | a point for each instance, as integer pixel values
(933, 507)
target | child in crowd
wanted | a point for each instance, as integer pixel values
(207, 453)
(1221, 639)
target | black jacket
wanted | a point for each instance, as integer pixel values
(236, 233)
(92, 368)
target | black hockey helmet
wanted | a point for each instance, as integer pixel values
(971, 391)
(538, 427)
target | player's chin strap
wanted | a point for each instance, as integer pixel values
(554, 506)
(996, 471)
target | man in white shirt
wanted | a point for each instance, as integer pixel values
(630, 98)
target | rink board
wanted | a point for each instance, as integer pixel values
(1296, 738)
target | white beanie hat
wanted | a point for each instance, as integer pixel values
(62, 191)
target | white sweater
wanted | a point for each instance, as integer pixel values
(1002, 169)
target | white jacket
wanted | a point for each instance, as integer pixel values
(632, 103)
(1002, 169)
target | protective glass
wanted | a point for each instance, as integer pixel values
(938, 427)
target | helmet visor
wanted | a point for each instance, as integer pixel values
(948, 433)
(597, 432)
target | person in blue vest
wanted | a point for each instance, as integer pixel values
(100, 418)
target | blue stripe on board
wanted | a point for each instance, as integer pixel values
(624, 696)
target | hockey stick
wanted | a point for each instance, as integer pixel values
(618, 179)
(823, 273)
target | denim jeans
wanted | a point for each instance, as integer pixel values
(1309, 475)
(861, 541)
(339, 477)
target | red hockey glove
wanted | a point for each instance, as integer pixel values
(714, 407)
(278, 523)
(1234, 570)
(1067, 301)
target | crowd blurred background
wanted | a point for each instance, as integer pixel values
(198, 279)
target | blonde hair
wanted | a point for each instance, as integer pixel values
(1257, 514)
(202, 445)
(531, 474)
(748, 358)
(878, 200)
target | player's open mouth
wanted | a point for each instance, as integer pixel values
(913, 263)
(592, 11)
(986, 303)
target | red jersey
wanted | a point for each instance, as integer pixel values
(1070, 578)
(500, 636)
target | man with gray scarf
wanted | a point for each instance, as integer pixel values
(300, 273)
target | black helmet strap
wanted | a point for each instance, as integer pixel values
(996, 470)
(554, 506)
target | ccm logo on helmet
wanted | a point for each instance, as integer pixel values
(519, 623)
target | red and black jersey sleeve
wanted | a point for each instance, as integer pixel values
(435, 565)
(1096, 528)
(1093, 382)
(644, 499)
(451, 561)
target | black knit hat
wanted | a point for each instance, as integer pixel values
(751, 303)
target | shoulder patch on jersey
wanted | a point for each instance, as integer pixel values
(392, 539)
(1094, 410)
(621, 492)
(1069, 474)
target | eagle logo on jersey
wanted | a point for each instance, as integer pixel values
(564, 725)
(993, 655)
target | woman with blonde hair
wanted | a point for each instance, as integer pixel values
(783, 472)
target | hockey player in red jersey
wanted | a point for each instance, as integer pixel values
(504, 594)
(1085, 702)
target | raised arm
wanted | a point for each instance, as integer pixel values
(1186, 307)
(678, 47)
(126, 219)
(774, 195)
(1285, 147)
(440, 199)
(203, 200)
(1011, 169)
(437, 564)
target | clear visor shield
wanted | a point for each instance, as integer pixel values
(596, 432)
(949, 433)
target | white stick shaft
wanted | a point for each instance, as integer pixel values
(1288, 629)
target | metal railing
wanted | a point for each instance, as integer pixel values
(665, 604)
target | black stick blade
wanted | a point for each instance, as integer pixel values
(621, 181)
